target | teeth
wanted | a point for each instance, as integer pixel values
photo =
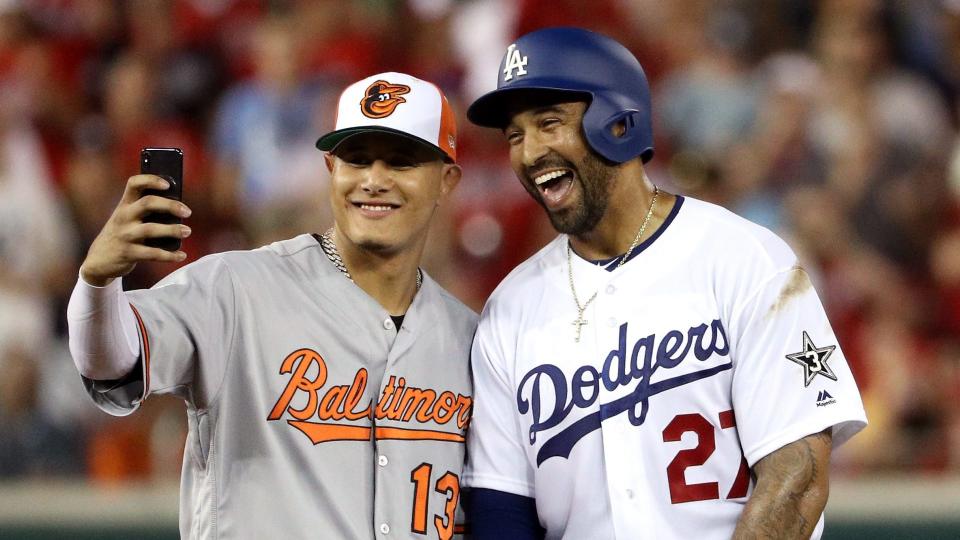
(376, 208)
(548, 177)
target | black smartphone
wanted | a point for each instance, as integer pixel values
(166, 163)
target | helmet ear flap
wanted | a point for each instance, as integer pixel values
(617, 132)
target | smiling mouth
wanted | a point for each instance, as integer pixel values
(376, 207)
(554, 185)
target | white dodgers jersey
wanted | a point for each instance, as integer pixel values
(706, 351)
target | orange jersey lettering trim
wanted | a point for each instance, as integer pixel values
(331, 404)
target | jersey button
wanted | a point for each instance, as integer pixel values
(382, 461)
(384, 528)
(611, 322)
(629, 493)
(388, 323)
(611, 289)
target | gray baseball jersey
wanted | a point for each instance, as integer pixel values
(310, 414)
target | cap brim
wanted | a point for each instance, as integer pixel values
(493, 108)
(330, 141)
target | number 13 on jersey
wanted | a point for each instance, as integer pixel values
(447, 484)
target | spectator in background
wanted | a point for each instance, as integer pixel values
(32, 444)
(261, 139)
(35, 249)
(35, 237)
(777, 154)
(188, 71)
(348, 40)
(707, 105)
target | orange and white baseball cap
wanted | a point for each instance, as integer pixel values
(395, 103)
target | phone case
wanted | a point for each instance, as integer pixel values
(168, 164)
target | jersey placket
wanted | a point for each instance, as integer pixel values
(386, 489)
(623, 469)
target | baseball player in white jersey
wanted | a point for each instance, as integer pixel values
(664, 368)
(326, 377)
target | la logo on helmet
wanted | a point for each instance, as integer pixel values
(514, 62)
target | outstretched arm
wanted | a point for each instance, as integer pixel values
(103, 336)
(791, 491)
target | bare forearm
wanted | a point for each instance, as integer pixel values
(791, 491)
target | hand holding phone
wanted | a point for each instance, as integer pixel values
(125, 239)
(166, 163)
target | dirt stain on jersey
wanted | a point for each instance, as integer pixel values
(796, 285)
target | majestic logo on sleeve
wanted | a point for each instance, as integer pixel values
(546, 394)
(824, 398)
(382, 98)
(340, 413)
(513, 60)
(814, 360)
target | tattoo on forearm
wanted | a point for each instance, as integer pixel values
(788, 497)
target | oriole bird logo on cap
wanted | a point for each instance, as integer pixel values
(382, 99)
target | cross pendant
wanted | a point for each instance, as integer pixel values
(579, 324)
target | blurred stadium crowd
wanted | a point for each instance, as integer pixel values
(832, 122)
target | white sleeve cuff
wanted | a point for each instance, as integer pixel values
(104, 341)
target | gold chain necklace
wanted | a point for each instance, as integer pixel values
(329, 248)
(580, 322)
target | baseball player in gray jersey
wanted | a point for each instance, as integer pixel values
(326, 377)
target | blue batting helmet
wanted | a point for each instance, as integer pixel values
(585, 63)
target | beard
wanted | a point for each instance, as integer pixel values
(596, 179)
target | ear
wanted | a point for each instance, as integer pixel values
(329, 159)
(451, 175)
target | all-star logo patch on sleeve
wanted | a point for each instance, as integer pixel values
(814, 360)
